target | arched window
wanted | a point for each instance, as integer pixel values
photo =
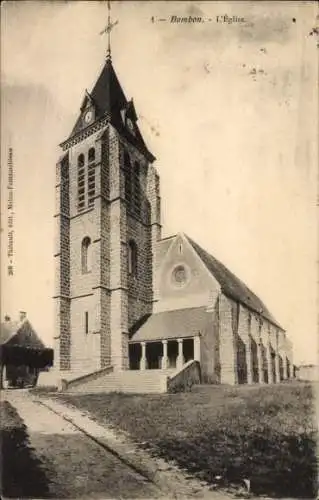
(81, 182)
(91, 154)
(132, 258)
(81, 160)
(128, 178)
(86, 255)
(91, 177)
(86, 322)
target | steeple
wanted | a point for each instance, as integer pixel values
(109, 26)
(108, 224)
(107, 103)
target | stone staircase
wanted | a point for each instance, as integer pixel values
(128, 381)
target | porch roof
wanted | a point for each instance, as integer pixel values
(171, 325)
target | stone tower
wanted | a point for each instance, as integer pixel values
(107, 225)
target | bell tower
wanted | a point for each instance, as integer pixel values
(107, 225)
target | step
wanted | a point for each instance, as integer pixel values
(133, 381)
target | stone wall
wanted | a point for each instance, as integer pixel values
(84, 286)
(137, 227)
(140, 292)
(118, 276)
(82, 226)
(251, 348)
(153, 196)
(62, 264)
(112, 299)
(244, 365)
(228, 344)
(85, 347)
(196, 289)
(210, 346)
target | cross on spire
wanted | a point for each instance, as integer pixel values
(108, 28)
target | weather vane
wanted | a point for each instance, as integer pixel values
(108, 28)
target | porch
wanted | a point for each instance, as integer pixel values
(163, 354)
(166, 340)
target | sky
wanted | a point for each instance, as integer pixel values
(228, 109)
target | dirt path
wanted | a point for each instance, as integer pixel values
(75, 466)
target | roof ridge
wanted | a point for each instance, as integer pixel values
(178, 309)
(168, 237)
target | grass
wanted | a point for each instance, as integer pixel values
(263, 433)
(21, 473)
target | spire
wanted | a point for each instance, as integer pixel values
(107, 101)
(108, 54)
(108, 28)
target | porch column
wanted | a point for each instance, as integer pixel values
(179, 362)
(164, 359)
(277, 351)
(277, 367)
(3, 379)
(143, 358)
(196, 341)
(288, 350)
(260, 361)
(285, 366)
(269, 364)
(249, 360)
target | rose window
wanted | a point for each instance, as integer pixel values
(179, 275)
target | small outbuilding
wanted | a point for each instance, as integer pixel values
(308, 372)
(22, 353)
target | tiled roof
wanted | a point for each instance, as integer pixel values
(232, 286)
(179, 323)
(107, 96)
(7, 331)
(16, 333)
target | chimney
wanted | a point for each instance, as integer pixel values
(22, 316)
(7, 318)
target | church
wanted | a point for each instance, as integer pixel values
(127, 301)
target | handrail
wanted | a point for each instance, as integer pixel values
(172, 381)
(87, 376)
